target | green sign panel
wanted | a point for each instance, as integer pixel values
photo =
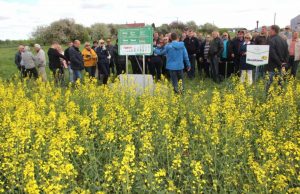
(135, 41)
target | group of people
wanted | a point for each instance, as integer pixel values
(31, 65)
(220, 56)
(98, 60)
(215, 56)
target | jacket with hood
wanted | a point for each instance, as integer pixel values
(176, 54)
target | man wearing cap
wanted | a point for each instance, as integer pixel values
(40, 59)
(287, 32)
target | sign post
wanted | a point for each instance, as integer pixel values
(136, 41)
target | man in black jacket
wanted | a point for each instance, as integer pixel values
(215, 52)
(110, 49)
(76, 60)
(279, 53)
(192, 46)
(237, 43)
(55, 63)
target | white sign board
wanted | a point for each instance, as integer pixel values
(143, 49)
(138, 82)
(257, 55)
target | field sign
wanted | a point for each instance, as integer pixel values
(257, 55)
(135, 41)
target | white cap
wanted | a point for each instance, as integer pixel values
(37, 46)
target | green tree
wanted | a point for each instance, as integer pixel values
(100, 31)
(63, 31)
(208, 28)
(192, 25)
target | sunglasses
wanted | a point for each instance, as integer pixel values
(247, 37)
(101, 42)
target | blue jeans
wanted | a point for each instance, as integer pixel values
(70, 73)
(273, 74)
(175, 76)
(76, 75)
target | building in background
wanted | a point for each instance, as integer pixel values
(295, 24)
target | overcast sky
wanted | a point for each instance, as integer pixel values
(18, 18)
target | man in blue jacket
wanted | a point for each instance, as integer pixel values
(177, 56)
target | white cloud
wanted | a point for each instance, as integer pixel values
(20, 18)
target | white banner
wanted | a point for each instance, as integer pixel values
(140, 49)
(257, 55)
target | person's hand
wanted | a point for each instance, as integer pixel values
(189, 69)
(232, 55)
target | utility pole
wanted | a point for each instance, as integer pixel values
(275, 18)
(257, 22)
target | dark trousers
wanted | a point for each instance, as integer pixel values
(175, 76)
(32, 73)
(206, 67)
(155, 66)
(164, 70)
(191, 73)
(136, 65)
(236, 62)
(200, 65)
(91, 71)
(214, 60)
(293, 65)
(121, 68)
(22, 71)
(58, 74)
(104, 67)
(112, 65)
(222, 68)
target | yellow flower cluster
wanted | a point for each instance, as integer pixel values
(88, 138)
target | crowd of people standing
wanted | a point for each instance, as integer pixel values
(213, 56)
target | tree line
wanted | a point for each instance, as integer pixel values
(65, 30)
